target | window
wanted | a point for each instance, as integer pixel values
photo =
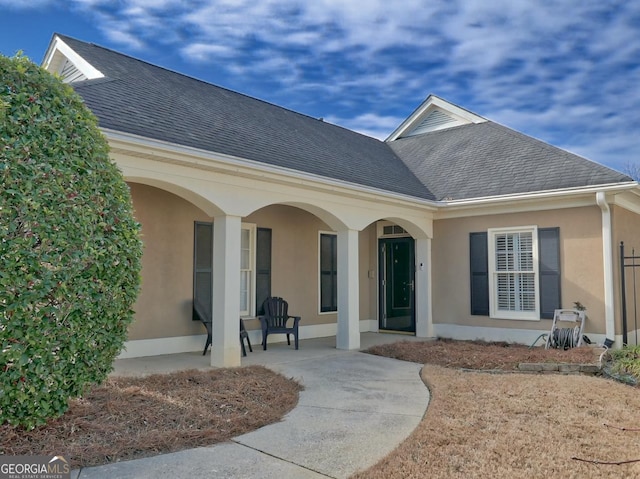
(389, 230)
(247, 269)
(203, 266)
(515, 272)
(328, 272)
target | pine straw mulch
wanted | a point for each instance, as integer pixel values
(129, 418)
(518, 426)
(480, 355)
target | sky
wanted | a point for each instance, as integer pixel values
(564, 71)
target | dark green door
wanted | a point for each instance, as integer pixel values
(397, 305)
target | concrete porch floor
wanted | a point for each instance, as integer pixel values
(354, 410)
(277, 353)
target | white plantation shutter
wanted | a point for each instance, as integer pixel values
(515, 275)
(514, 271)
(530, 289)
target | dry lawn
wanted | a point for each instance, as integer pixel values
(129, 418)
(481, 425)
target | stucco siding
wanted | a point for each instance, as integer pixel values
(294, 259)
(626, 227)
(164, 306)
(580, 256)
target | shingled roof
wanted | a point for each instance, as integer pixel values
(488, 159)
(143, 99)
(469, 161)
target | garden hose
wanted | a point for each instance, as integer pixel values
(565, 338)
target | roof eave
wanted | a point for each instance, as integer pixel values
(237, 163)
(610, 187)
(534, 201)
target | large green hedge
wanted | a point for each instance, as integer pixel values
(69, 247)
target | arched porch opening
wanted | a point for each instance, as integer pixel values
(163, 321)
(322, 260)
(400, 275)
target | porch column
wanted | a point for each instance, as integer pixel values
(225, 350)
(424, 319)
(348, 336)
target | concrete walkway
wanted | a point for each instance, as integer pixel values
(355, 409)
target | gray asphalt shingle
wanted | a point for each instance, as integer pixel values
(146, 100)
(488, 159)
(464, 162)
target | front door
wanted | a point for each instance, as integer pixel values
(397, 305)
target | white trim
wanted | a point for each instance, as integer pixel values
(381, 224)
(252, 228)
(494, 312)
(156, 347)
(432, 101)
(232, 163)
(445, 209)
(484, 200)
(186, 344)
(320, 233)
(607, 263)
(59, 46)
(628, 200)
(520, 336)
(420, 128)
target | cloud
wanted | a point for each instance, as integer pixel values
(31, 5)
(203, 52)
(565, 72)
(369, 124)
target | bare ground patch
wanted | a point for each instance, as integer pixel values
(129, 418)
(513, 425)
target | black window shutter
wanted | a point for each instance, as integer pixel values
(263, 267)
(328, 272)
(203, 264)
(479, 261)
(549, 254)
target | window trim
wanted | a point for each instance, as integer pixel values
(320, 234)
(251, 300)
(494, 312)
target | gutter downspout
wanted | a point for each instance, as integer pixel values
(607, 257)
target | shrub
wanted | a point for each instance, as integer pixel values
(626, 362)
(69, 247)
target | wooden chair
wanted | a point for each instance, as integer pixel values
(276, 319)
(201, 313)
